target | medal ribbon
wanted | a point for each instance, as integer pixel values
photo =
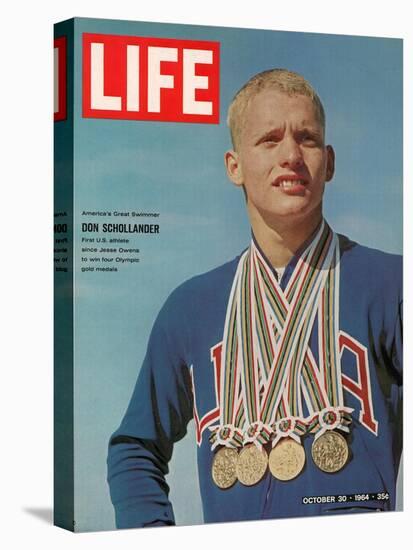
(228, 432)
(294, 313)
(267, 332)
(334, 414)
(271, 305)
(305, 375)
(289, 416)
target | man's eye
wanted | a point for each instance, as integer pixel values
(308, 139)
(271, 139)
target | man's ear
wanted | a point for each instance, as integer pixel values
(233, 166)
(331, 163)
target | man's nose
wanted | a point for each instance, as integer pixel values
(290, 153)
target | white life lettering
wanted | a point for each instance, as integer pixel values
(193, 82)
(156, 80)
(98, 99)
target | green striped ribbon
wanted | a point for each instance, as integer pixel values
(265, 344)
(229, 430)
(328, 337)
(328, 413)
(269, 308)
(293, 340)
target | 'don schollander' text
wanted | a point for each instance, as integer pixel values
(121, 228)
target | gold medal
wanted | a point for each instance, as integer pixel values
(224, 467)
(286, 459)
(251, 465)
(330, 452)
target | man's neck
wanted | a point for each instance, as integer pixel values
(280, 241)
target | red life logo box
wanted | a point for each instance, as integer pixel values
(141, 78)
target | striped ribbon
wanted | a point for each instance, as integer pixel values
(268, 366)
(322, 387)
(294, 313)
(328, 336)
(229, 432)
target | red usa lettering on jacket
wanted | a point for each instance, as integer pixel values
(359, 388)
(145, 78)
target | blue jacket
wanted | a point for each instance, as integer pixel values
(177, 382)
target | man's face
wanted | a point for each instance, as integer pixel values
(282, 161)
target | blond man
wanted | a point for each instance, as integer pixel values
(288, 358)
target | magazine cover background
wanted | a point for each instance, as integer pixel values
(178, 171)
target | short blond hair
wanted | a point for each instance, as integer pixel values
(285, 81)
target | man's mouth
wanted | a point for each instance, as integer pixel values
(288, 182)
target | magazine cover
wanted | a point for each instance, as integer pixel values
(228, 274)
